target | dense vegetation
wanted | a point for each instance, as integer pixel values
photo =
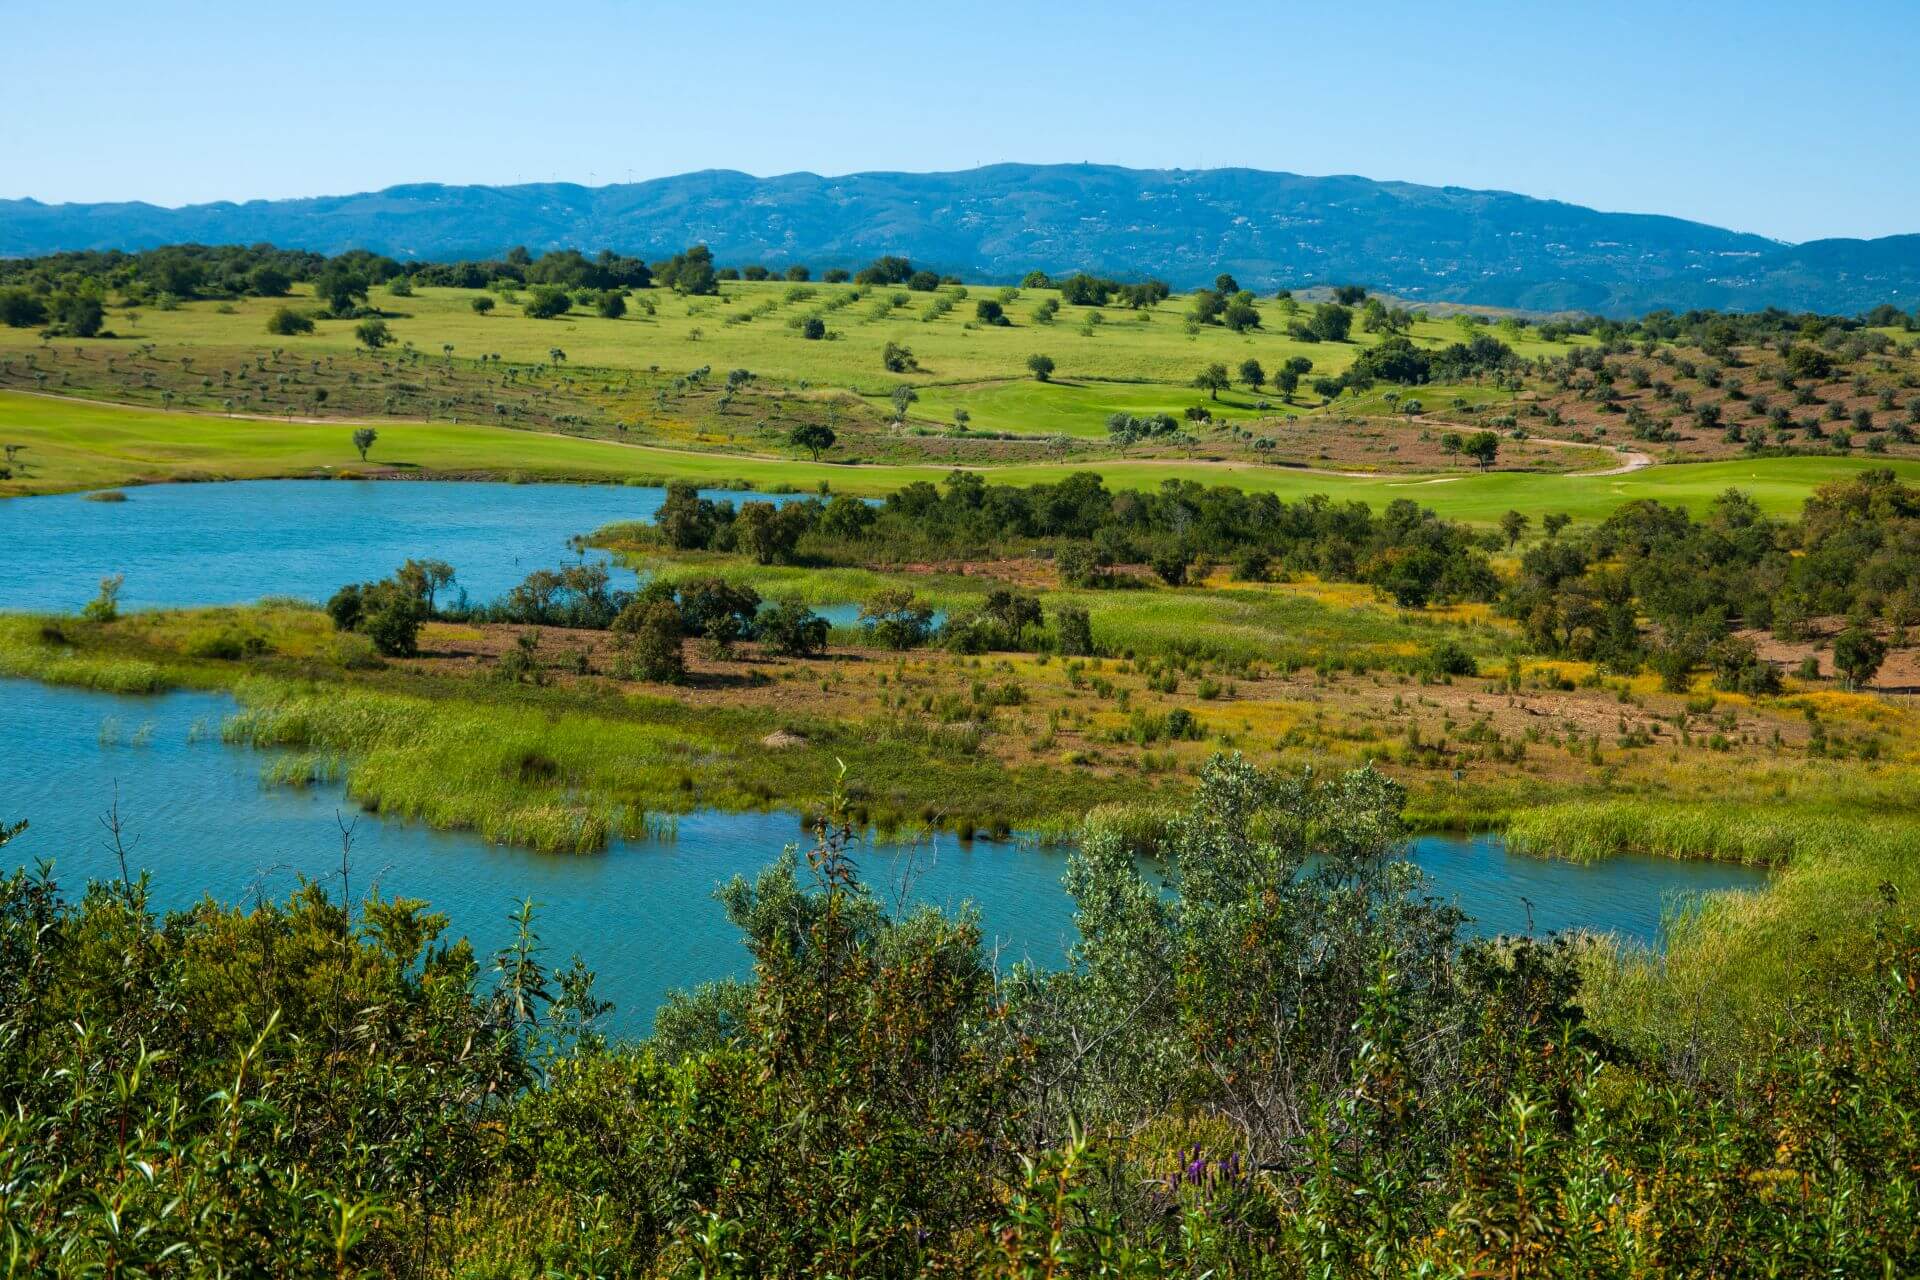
(1087, 529)
(1289, 1065)
(1854, 555)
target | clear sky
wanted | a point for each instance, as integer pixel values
(1794, 120)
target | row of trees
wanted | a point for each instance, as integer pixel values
(1406, 551)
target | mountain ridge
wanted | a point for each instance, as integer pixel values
(1267, 228)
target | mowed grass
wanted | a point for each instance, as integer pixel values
(78, 445)
(75, 445)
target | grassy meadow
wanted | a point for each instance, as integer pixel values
(747, 325)
(72, 445)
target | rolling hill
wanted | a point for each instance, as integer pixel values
(1269, 229)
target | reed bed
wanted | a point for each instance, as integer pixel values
(509, 774)
(1589, 831)
(28, 652)
(1737, 966)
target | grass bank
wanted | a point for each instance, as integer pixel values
(73, 444)
(1739, 965)
(561, 768)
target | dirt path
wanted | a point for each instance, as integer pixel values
(1630, 459)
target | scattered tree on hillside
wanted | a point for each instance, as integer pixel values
(1483, 447)
(1213, 380)
(815, 437)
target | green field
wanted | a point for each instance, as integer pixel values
(748, 326)
(74, 445)
(82, 446)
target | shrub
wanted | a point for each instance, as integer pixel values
(791, 629)
(393, 619)
(227, 644)
(21, 309)
(1172, 565)
(649, 634)
(546, 301)
(105, 606)
(286, 322)
(896, 619)
(1447, 658)
(1081, 564)
(1073, 632)
(389, 613)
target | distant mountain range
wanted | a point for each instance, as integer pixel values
(1441, 244)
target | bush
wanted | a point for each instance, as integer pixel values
(105, 606)
(896, 619)
(1447, 658)
(1072, 631)
(546, 301)
(22, 309)
(791, 629)
(226, 644)
(346, 607)
(286, 322)
(388, 613)
(649, 634)
(1172, 565)
(1080, 564)
(393, 619)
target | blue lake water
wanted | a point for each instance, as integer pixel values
(205, 544)
(642, 914)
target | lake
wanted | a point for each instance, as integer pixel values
(642, 914)
(205, 544)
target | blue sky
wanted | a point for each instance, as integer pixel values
(1792, 120)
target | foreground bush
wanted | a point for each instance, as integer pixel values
(1269, 1057)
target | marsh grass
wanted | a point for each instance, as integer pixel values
(27, 652)
(510, 776)
(1594, 830)
(1738, 965)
